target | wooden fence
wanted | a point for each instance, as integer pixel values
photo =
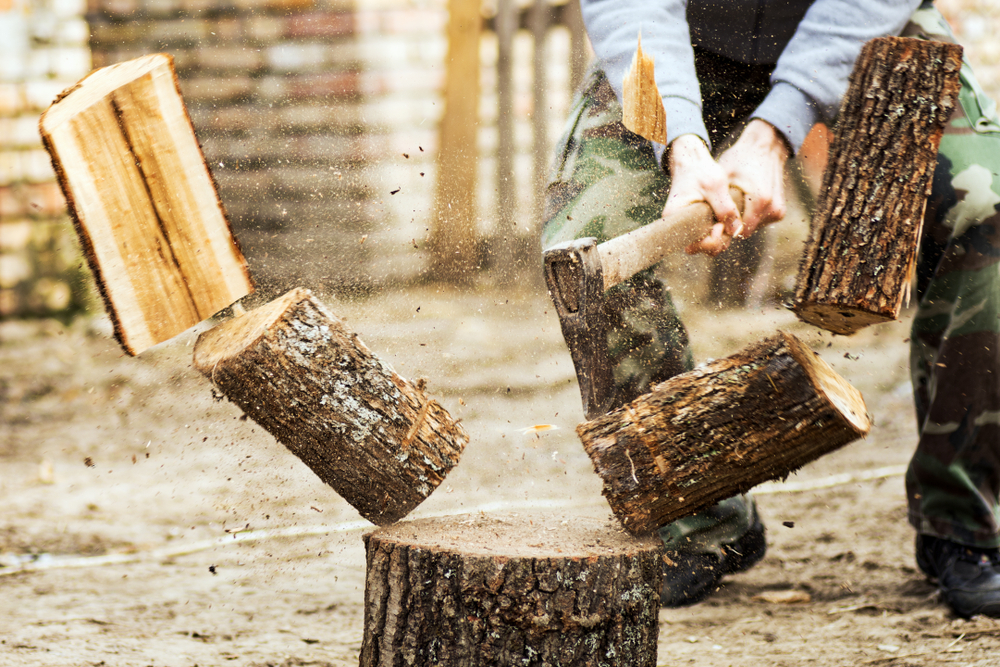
(457, 243)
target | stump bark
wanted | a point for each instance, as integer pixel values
(296, 370)
(511, 589)
(720, 430)
(862, 247)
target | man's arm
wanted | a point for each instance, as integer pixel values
(811, 75)
(807, 85)
(614, 25)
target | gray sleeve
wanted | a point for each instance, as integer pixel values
(614, 25)
(812, 72)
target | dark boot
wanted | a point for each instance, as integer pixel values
(690, 577)
(968, 577)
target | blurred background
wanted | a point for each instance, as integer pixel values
(357, 145)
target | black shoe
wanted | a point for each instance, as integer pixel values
(968, 577)
(691, 577)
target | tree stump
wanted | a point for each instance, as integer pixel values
(862, 246)
(296, 370)
(720, 430)
(511, 589)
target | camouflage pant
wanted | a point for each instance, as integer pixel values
(606, 182)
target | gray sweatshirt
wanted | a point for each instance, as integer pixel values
(813, 42)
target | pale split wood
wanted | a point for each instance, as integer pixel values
(721, 429)
(143, 201)
(642, 105)
(297, 371)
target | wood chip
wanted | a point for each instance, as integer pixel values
(783, 597)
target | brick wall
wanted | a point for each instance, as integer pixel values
(43, 49)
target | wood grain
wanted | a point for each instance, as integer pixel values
(143, 201)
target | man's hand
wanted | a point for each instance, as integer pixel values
(755, 164)
(696, 177)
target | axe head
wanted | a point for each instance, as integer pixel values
(575, 282)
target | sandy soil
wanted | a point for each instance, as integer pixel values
(163, 530)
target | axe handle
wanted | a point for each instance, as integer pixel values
(624, 256)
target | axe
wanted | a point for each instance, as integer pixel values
(578, 272)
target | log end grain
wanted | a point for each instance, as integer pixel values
(720, 430)
(839, 319)
(847, 401)
(297, 371)
(511, 589)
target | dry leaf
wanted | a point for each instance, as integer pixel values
(783, 597)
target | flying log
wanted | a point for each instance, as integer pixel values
(720, 430)
(143, 201)
(859, 260)
(296, 370)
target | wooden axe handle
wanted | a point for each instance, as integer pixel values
(624, 256)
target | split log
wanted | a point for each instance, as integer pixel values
(143, 201)
(861, 253)
(720, 430)
(296, 370)
(642, 105)
(511, 589)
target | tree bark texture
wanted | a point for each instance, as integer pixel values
(511, 589)
(296, 370)
(862, 247)
(721, 429)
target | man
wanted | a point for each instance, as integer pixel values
(765, 71)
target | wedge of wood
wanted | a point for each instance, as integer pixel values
(720, 430)
(642, 106)
(859, 260)
(296, 370)
(143, 201)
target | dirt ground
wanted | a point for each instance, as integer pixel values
(144, 523)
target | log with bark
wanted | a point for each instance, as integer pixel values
(143, 201)
(859, 260)
(493, 590)
(720, 430)
(296, 370)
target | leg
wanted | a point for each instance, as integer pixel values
(606, 182)
(953, 482)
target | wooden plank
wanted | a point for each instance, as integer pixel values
(143, 201)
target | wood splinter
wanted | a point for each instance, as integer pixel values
(720, 430)
(642, 106)
(296, 370)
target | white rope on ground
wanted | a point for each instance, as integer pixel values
(828, 482)
(48, 562)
